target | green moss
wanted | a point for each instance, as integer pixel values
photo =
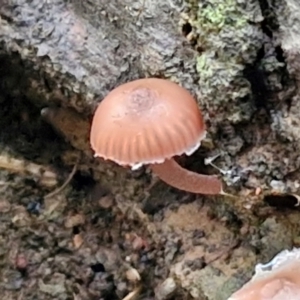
(228, 39)
(217, 14)
(225, 28)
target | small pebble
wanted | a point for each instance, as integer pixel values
(21, 262)
(77, 241)
(166, 289)
(133, 275)
(75, 220)
(4, 206)
(106, 202)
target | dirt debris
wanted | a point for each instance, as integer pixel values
(70, 246)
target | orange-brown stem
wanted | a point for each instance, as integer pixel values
(173, 174)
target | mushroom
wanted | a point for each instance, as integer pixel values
(277, 280)
(148, 122)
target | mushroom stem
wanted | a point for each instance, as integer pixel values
(173, 174)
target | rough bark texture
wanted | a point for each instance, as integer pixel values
(241, 59)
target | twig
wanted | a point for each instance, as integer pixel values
(132, 295)
(141, 10)
(43, 174)
(61, 188)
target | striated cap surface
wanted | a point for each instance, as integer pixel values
(146, 121)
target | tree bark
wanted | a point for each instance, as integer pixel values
(245, 77)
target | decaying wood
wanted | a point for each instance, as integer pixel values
(89, 47)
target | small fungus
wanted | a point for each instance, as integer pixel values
(148, 122)
(277, 280)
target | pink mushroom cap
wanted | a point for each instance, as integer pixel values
(277, 280)
(146, 121)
